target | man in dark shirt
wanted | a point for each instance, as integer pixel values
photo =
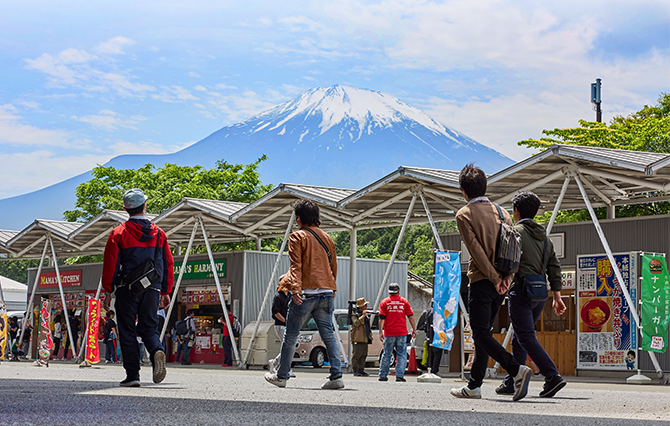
(110, 336)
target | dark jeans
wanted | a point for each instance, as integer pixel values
(358, 356)
(110, 353)
(227, 351)
(144, 307)
(434, 358)
(524, 314)
(68, 343)
(56, 348)
(484, 303)
(185, 350)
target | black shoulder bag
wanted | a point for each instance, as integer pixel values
(536, 285)
(144, 275)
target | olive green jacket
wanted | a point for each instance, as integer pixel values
(532, 246)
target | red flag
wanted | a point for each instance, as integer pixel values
(92, 348)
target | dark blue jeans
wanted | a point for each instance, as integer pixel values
(484, 303)
(524, 314)
(144, 308)
(320, 307)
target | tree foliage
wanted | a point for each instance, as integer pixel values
(166, 186)
(644, 130)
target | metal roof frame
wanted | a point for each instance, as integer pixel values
(92, 235)
(26, 242)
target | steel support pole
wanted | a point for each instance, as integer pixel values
(62, 297)
(236, 354)
(175, 291)
(29, 308)
(284, 242)
(615, 268)
(557, 206)
(393, 255)
(352, 279)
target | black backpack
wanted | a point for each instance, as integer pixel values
(508, 248)
(181, 328)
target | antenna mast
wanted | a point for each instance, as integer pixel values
(596, 99)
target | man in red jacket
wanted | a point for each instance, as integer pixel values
(129, 247)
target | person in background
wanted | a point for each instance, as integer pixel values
(361, 337)
(188, 338)
(71, 341)
(279, 311)
(58, 336)
(110, 338)
(393, 314)
(434, 353)
(227, 339)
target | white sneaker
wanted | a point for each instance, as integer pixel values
(521, 381)
(272, 366)
(275, 380)
(291, 374)
(466, 392)
(333, 384)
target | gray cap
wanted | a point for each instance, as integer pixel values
(134, 198)
(394, 288)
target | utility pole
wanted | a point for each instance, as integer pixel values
(596, 99)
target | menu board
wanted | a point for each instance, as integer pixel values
(606, 330)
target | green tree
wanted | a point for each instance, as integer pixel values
(166, 186)
(645, 130)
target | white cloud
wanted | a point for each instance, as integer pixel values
(222, 86)
(113, 46)
(174, 94)
(110, 120)
(193, 74)
(28, 104)
(14, 131)
(200, 88)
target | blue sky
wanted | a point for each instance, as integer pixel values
(82, 82)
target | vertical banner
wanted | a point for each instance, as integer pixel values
(446, 290)
(92, 348)
(655, 297)
(3, 330)
(45, 341)
(606, 331)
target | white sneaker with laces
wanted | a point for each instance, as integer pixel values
(275, 380)
(466, 392)
(521, 381)
(291, 374)
(272, 366)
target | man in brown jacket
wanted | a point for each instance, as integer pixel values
(312, 278)
(361, 337)
(479, 226)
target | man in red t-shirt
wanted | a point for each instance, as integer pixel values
(393, 332)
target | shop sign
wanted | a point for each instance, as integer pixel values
(655, 295)
(67, 278)
(200, 269)
(204, 297)
(72, 300)
(568, 279)
(606, 332)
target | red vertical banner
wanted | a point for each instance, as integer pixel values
(45, 341)
(92, 348)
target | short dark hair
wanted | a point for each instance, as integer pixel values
(307, 211)
(136, 210)
(473, 181)
(190, 311)
(526, 203)
(109, 313)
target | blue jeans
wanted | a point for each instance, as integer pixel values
(320, 307)
(400, 345)
(524, 314)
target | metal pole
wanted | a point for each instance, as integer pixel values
(436, 234)
(218, 288)
(243, 364)
(557, 207)
(615, 268)
(393, 255)
(175, 292)
(258, 244)
(62, 297)
(29, 308)
(352, 279)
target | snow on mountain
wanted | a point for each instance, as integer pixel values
(333, 136)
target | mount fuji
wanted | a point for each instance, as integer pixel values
(332, 136)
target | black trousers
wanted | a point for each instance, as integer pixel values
(358, 356)
(145, 308)
(434, 358)
(227, 350)
(484, 303)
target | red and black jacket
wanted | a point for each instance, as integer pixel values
(133, 243)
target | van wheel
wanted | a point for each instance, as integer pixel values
(318, 357)
(392, 365)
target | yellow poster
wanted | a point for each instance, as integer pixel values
(3, 330)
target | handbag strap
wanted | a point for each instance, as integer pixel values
(544, 257)
(330, 260)
(158, 238)
(502, 219)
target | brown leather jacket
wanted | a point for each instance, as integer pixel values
(309, 261)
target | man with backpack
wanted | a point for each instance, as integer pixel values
(312, 279)
(185, 330)
(138, 268)
(109, 337)
(538, 259)
(479, 225)
(227, 340)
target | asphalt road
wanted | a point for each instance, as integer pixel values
(64, 394)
